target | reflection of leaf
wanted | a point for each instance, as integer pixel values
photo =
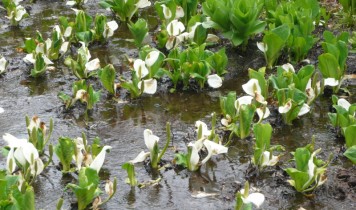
(351, 154)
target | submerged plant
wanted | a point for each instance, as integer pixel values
(309, 172)
(244, 199)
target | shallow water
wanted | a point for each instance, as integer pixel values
(122, 125)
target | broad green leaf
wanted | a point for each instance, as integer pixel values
(350, 136)
(65, 150)
(350, 153)
(107, 77)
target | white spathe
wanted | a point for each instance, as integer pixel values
(29, 58)
(140, 157)
(194, 157)
(34, 123)
(285, 108)
(174, 29)
(255, 198)
(213, 149)
(205, 131)
(262, 46)
(179, 12)
(93, 65)
(110, 27)
(150, 139)
(344, 103)
(252, 88)
(267, 160)
(151, 58)
(2, 110)
(214, 81)
(149, 86)
(12, 141)
(80, 94)
(143, 3)
(99, 159)
(331, 82)
(166, 11)
(68, 31)
(71, 3)
(20, 12)
(288, 67)
(140, 68)
(305, 109)
(3, 65)
(263, 112)
(244, 100)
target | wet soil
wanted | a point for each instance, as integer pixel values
(122, 125)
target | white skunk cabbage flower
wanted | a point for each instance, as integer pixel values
(110, 27)
(262, 46)
(244, 100)
(17, 14)
(140, 68)
(150, 139)
(263, 113)
(214, 81)
(99, 159)
(267, 160)
(151, 58)
(194, 157)
(252, 88)
(142, 4)
(149, 86)
(305, 109)
(213, 149)
(331, 82)
(255, 198)
(174, 29)
(166, 11)
(140, 157)
(12, 141)
(344, 104)
(205, 131)
(288, 67)
(285, 108)
(3, 64)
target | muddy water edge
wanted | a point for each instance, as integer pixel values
(121, 125)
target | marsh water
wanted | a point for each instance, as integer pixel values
(121, 126)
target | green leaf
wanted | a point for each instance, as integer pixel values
(350, 136)
(181, 159)
(107, 77)
(24, 200)
(350, 153)
(64, 151)
(263, 133)
(246, 113)
(139, 31)
(130, 169)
